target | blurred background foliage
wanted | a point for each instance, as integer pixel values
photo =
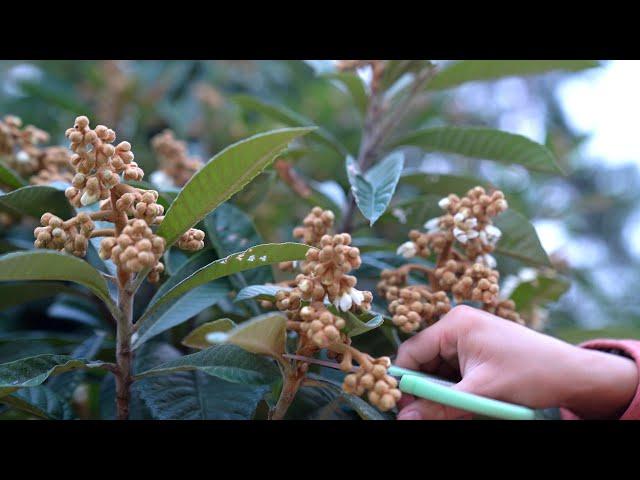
(209, 105)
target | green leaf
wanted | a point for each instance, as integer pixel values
(50, 265)
(197, 338)
(441, 185)
(259, 292)
(265, 334)
(40, 401)
(364, 410)
(33, 371)
(222, 176)
(54, 94)
(354, 85)
(79, 309)
(374, 189)
(538, 292)
(482, 70)
(289, 118)
(395, 69)
(228, 362)
(194, 395)
(12, 294)
(484, 143)
(230, 229)
(194, 263)
(35, 200)
(9, 177)
(358, 324)
(257, 256)
(328, 195)
(519, 239)
(179, 310)
(65, 384)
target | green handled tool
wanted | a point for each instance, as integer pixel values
(439, 390)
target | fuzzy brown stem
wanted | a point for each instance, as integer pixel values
(292, 382)
(124, 326)
(442, 258)
(103, 232)
(376, 130)
(429, 272)
(101, 215)
(123, 353)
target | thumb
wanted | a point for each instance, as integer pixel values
(421, 409)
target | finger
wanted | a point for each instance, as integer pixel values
(422, 409)
(421, 349)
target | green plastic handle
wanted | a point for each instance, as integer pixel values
(400, 372)
(425, 388)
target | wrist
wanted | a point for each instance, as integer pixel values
(599, 385)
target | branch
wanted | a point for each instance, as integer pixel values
(377, 129)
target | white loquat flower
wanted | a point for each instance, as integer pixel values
(444, 203)
(407, 250)
(432, 225)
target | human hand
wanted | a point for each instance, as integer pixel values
(495, 358)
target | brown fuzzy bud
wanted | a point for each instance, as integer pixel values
(382, 389)
(191, 240)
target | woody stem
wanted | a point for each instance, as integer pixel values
(124, 325)
(103, 232)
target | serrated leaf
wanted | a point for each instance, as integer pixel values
(355, 86)
(50, 265)
(9, 177)
(221, 177)
(179, 310)
(40, 401)
(484, 143)
(316, 402)
(35, 200)
(194, 395)
(197, 338)
(228, 362)
(229, 230)
(259, 255)
(374, 189)
(33, 371)
(520, 239)
(265, 334)
(259, 292)
(482, 70)
(289, 118)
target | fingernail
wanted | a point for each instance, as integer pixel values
(410, 415)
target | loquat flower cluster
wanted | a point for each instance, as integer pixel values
(101, 170)
(175, 166)
(320, 295)
(462, 239)
(21, 150)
